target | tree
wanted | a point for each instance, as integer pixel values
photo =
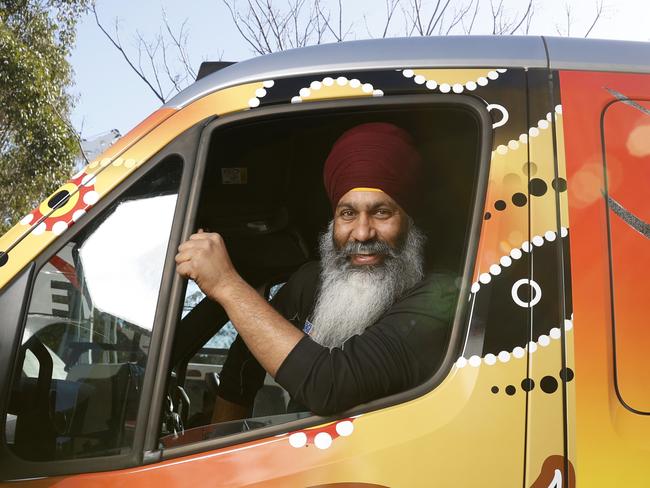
(37, 144)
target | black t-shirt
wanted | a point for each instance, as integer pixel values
(400, 351)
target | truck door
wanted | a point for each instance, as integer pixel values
(479, 394)
(607, 122)
(79, 324)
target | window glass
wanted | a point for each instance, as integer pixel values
(627, 151)
(269, 203)
(88, 328)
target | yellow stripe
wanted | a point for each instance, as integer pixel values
(366, 189)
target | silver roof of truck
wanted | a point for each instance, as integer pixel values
(444, 51)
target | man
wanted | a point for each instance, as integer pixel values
(362, 324)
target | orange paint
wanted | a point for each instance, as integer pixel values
(607, 433)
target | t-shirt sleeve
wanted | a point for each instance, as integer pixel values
(400, 351)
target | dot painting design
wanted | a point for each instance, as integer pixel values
(537, 187)
(542, 124)
(517, 353)
(322, 437)
(65, 206)
(341, 81)
(260, 93)
(515, 254)
(548, 384)
(469, 85)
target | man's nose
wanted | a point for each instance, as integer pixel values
(363, 230)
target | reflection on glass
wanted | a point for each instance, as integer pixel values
(121, 259)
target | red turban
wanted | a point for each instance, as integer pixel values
(375, 155)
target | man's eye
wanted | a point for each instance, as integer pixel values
(347, 214)
(383, 212)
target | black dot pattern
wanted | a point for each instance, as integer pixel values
(566, 374)
(4, 257)
(559, 184)
(527, 384)
(58, 198)
(537, 187)
(548, 384)
(519, 199)
(500, 205)
(487, 216)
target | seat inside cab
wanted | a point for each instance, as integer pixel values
(263, 192)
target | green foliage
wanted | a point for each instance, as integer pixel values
(37, 147)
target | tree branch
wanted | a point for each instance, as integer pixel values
(118, 46)
(599, 11)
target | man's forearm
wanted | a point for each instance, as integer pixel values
(268, 335)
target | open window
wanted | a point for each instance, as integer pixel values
(263, 191)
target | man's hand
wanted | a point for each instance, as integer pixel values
(204, 259)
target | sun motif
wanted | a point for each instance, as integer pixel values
(65, 206)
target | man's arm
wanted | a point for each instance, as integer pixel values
(268, 335)
(399, 352)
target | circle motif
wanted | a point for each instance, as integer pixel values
(536, 297)
(504, 114)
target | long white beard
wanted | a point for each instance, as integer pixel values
(352, 298)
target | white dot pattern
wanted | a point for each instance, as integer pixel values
(542, 124)
(515, 253)
(470, 85)
(260, 93)
(299, 439)
(328, 81)
(344, 428)
(517, 353)
(323, 440)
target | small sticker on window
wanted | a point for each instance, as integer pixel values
(234, 176)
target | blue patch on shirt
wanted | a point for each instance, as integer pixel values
(307, 327)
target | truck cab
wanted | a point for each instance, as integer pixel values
(537, 158)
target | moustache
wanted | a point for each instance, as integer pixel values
(367, 247)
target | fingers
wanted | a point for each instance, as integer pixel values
(209, 236)
(185, 270)
(183, 256)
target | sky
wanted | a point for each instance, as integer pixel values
(111, 96)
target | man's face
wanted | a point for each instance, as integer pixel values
(366, 217)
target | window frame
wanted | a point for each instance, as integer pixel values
(475, 106)
(610, 257)
(13, 467)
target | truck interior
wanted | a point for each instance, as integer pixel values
(263, 192)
